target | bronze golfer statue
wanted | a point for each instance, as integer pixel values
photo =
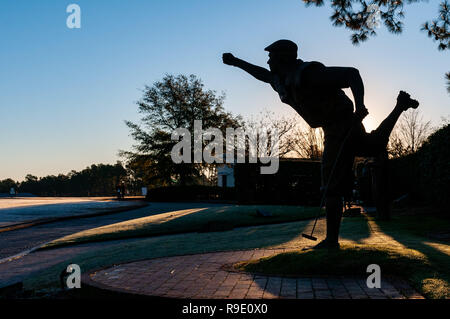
(315, 92)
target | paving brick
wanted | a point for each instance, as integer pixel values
(304, 285)
(305, 295)
(201, 276)
(288, 288)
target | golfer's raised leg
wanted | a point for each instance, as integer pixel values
(384, 130)
(377, 141)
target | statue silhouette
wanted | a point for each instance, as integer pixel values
(315, 92)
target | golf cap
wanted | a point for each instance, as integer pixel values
(283, 47)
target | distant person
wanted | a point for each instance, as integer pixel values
(12, 192)
(122, 190)
(315, 92)
(119, 191)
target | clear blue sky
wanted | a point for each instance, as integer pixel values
(66, 93)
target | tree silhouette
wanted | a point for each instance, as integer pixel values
(358, 16)
(447, 76)
(409, 134)
(264, 125)
(7, 184)
(308, 142)
(438, 29)
(175, 102)
(96, 180)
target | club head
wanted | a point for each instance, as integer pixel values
(309, 237)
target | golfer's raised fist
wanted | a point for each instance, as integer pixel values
(228, 58)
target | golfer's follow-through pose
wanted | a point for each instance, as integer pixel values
(315, 92)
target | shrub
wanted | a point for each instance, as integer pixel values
(190, 193)
(425, 175)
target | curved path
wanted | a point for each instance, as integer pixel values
(19, 241)
(204, 276)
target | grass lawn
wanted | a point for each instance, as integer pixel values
(408, 252)
(169, 245)
(352, 260)
(189, 220)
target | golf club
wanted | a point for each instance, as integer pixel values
(311, 237)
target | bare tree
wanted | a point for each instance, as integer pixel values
(396, 146)
(307, 142)
(295, 138)
(409, 134)
(265, 124)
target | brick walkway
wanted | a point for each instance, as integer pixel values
(203, 276)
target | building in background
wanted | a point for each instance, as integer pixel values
(225, 175)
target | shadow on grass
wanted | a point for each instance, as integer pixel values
(349, 261)
(208, 219)
(355, 228)
(423, 262)
(412, 232)
(98, 255)
(250, 238)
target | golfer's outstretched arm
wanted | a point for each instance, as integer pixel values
(254, 70)
(348, 77)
